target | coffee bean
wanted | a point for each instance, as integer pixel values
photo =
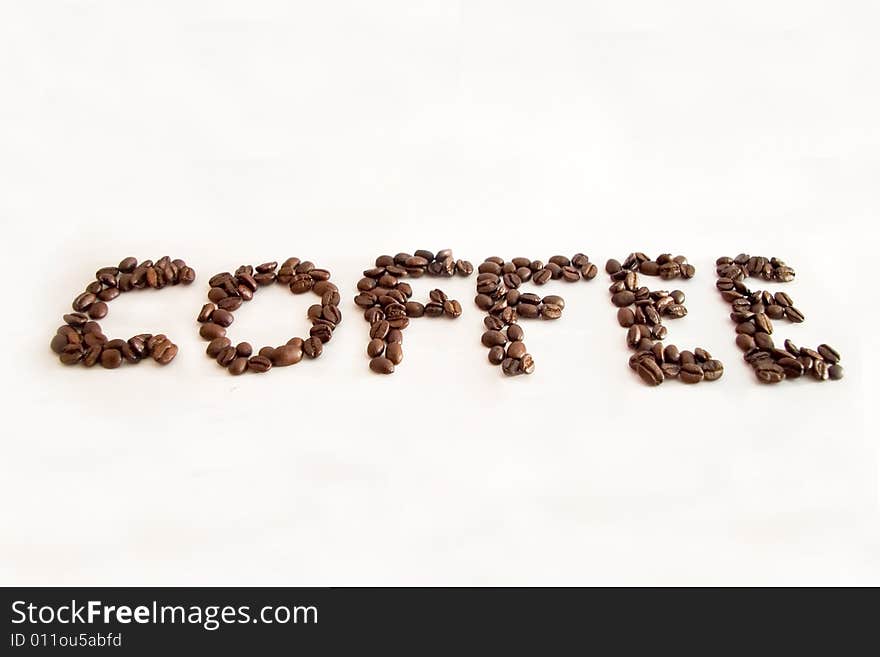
(313, 347)
(829, 354)
(794, 315)
(210, 331)
(650, 372)
(216, 345)
(259, 364)
(380, 329)
(222, 318)
(381, 365)
(691, 373)
(84, 301)
(713, 369)
(623, 298)
(792, 367)
(763, 341)
(516, 350)
(835, 372)
(763, 323)
(549, 311)
(238, 366)
(58, 343)
(71, 354)
(769, 372)
(494, 338)
(111, 359)
(452, 308)
(745, 342)
(226, 356)
(394, 352)
(287, 355)
(205, 312)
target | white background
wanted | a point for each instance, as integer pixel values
(237, 132)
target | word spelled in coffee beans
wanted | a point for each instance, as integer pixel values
(641, 312)
(498, 293)
(387, 300)
(753, 313)
(228, 292)
(388, 307)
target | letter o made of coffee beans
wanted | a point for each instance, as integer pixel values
(80, 341)
(228, 291)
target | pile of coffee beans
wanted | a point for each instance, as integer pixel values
(80, 339)
(641, 312)
(387, 304)
(498, 293)
(753, 313)
(229, 290)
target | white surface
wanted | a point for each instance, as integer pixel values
(227, 133)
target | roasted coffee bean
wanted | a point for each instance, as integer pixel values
(259, 364)
(205, 312)
(835, 372)
(494, 338)
(394, 352)
(650, 372)
(792, 367)
(238, 366)
(493, 323)
(745, 342)
(516, 350)
(71, 354)
(111, 359)
(313, 347)
(210, 331)
(84, 301)
(226, 356)
(452, 308)
(820, 370)
(769, 372)
(380, 329)
(497, 355)
(376, 347)
(222, 318)
(301, 283)
(381, 365)
(829, 354)
(127, 265)
(549, 311)
(286, 355)
(434, 309)
(323, 332)
(463, 268)
(216, 345)
(763, 341)
(58, 343)
(691, 373)
(713, 369)
(515, 333)
(625, 317)
(794, 315)
(623, 299)
(332, 314)
(763, 323)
